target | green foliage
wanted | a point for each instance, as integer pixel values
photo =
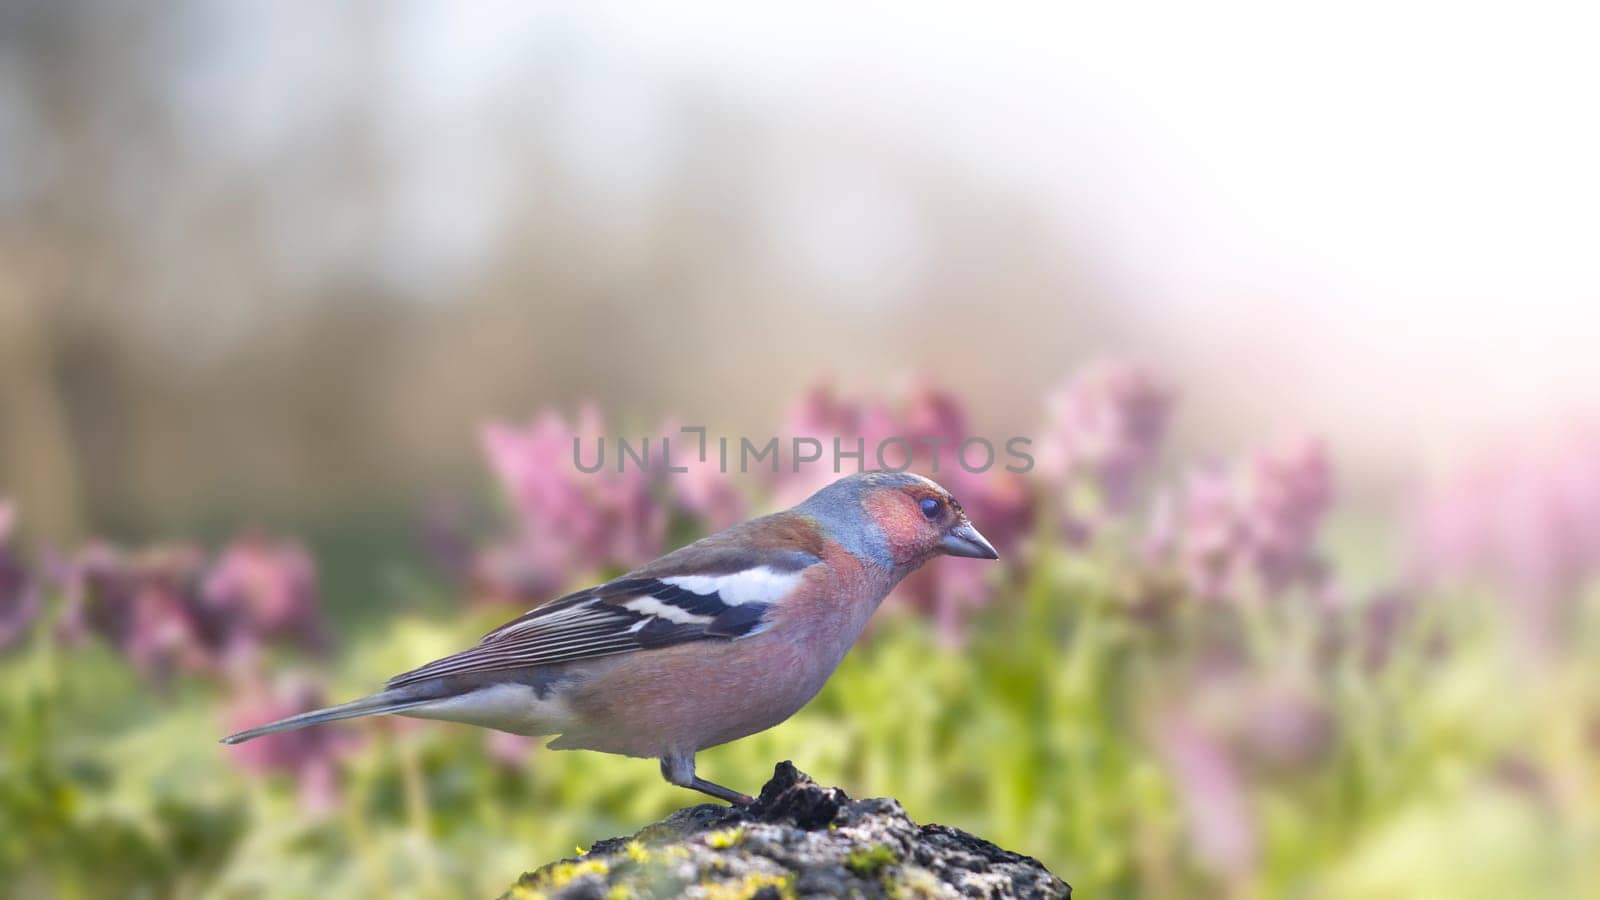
(1037, 735)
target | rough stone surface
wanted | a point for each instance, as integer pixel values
(798, 839)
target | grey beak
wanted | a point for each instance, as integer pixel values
(964, 540)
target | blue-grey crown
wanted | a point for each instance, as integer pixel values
(838, 508)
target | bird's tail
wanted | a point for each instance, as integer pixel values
(381, 703)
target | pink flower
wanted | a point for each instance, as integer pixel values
(1283, 728)
(309, 756)
(165, 634)
(1228, 725)
(1231, 531)
(937, 425)
(266, 589)
(1528, 522)
(538, 476)
(1290, 492)
(1212, 535)
(703, 491)
(19, 591)
(1216, 802)
(930, 412)
(947, 591)
(96, 582)
(524, 571)
(825, 416)
(707, 493)
(1106, 424)
(931, 424)
(166, 611)
(145, 605)
(568, 520)
(1383, 622)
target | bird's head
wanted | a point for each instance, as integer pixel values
(898, 518)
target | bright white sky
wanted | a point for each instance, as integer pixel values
(1411, 189)
(1396, 200)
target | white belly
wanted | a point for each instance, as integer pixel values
(516, 708)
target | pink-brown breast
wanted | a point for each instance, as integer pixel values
(696, 695)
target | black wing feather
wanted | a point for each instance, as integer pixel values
(597, 622)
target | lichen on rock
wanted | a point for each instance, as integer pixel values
(798, 839)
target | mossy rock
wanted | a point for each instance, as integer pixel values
(797, 840)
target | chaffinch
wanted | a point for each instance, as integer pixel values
(712, 642)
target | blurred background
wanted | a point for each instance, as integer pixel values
(301, 307)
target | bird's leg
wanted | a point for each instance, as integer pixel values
(678, 769)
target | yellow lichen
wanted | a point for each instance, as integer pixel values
(563, 872)
(749, 886)
(637, 852)
(728, 837)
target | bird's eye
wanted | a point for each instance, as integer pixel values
(931, 508)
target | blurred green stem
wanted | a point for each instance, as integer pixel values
(356, 823)
(418, 813)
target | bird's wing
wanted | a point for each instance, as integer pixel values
(720, 592)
